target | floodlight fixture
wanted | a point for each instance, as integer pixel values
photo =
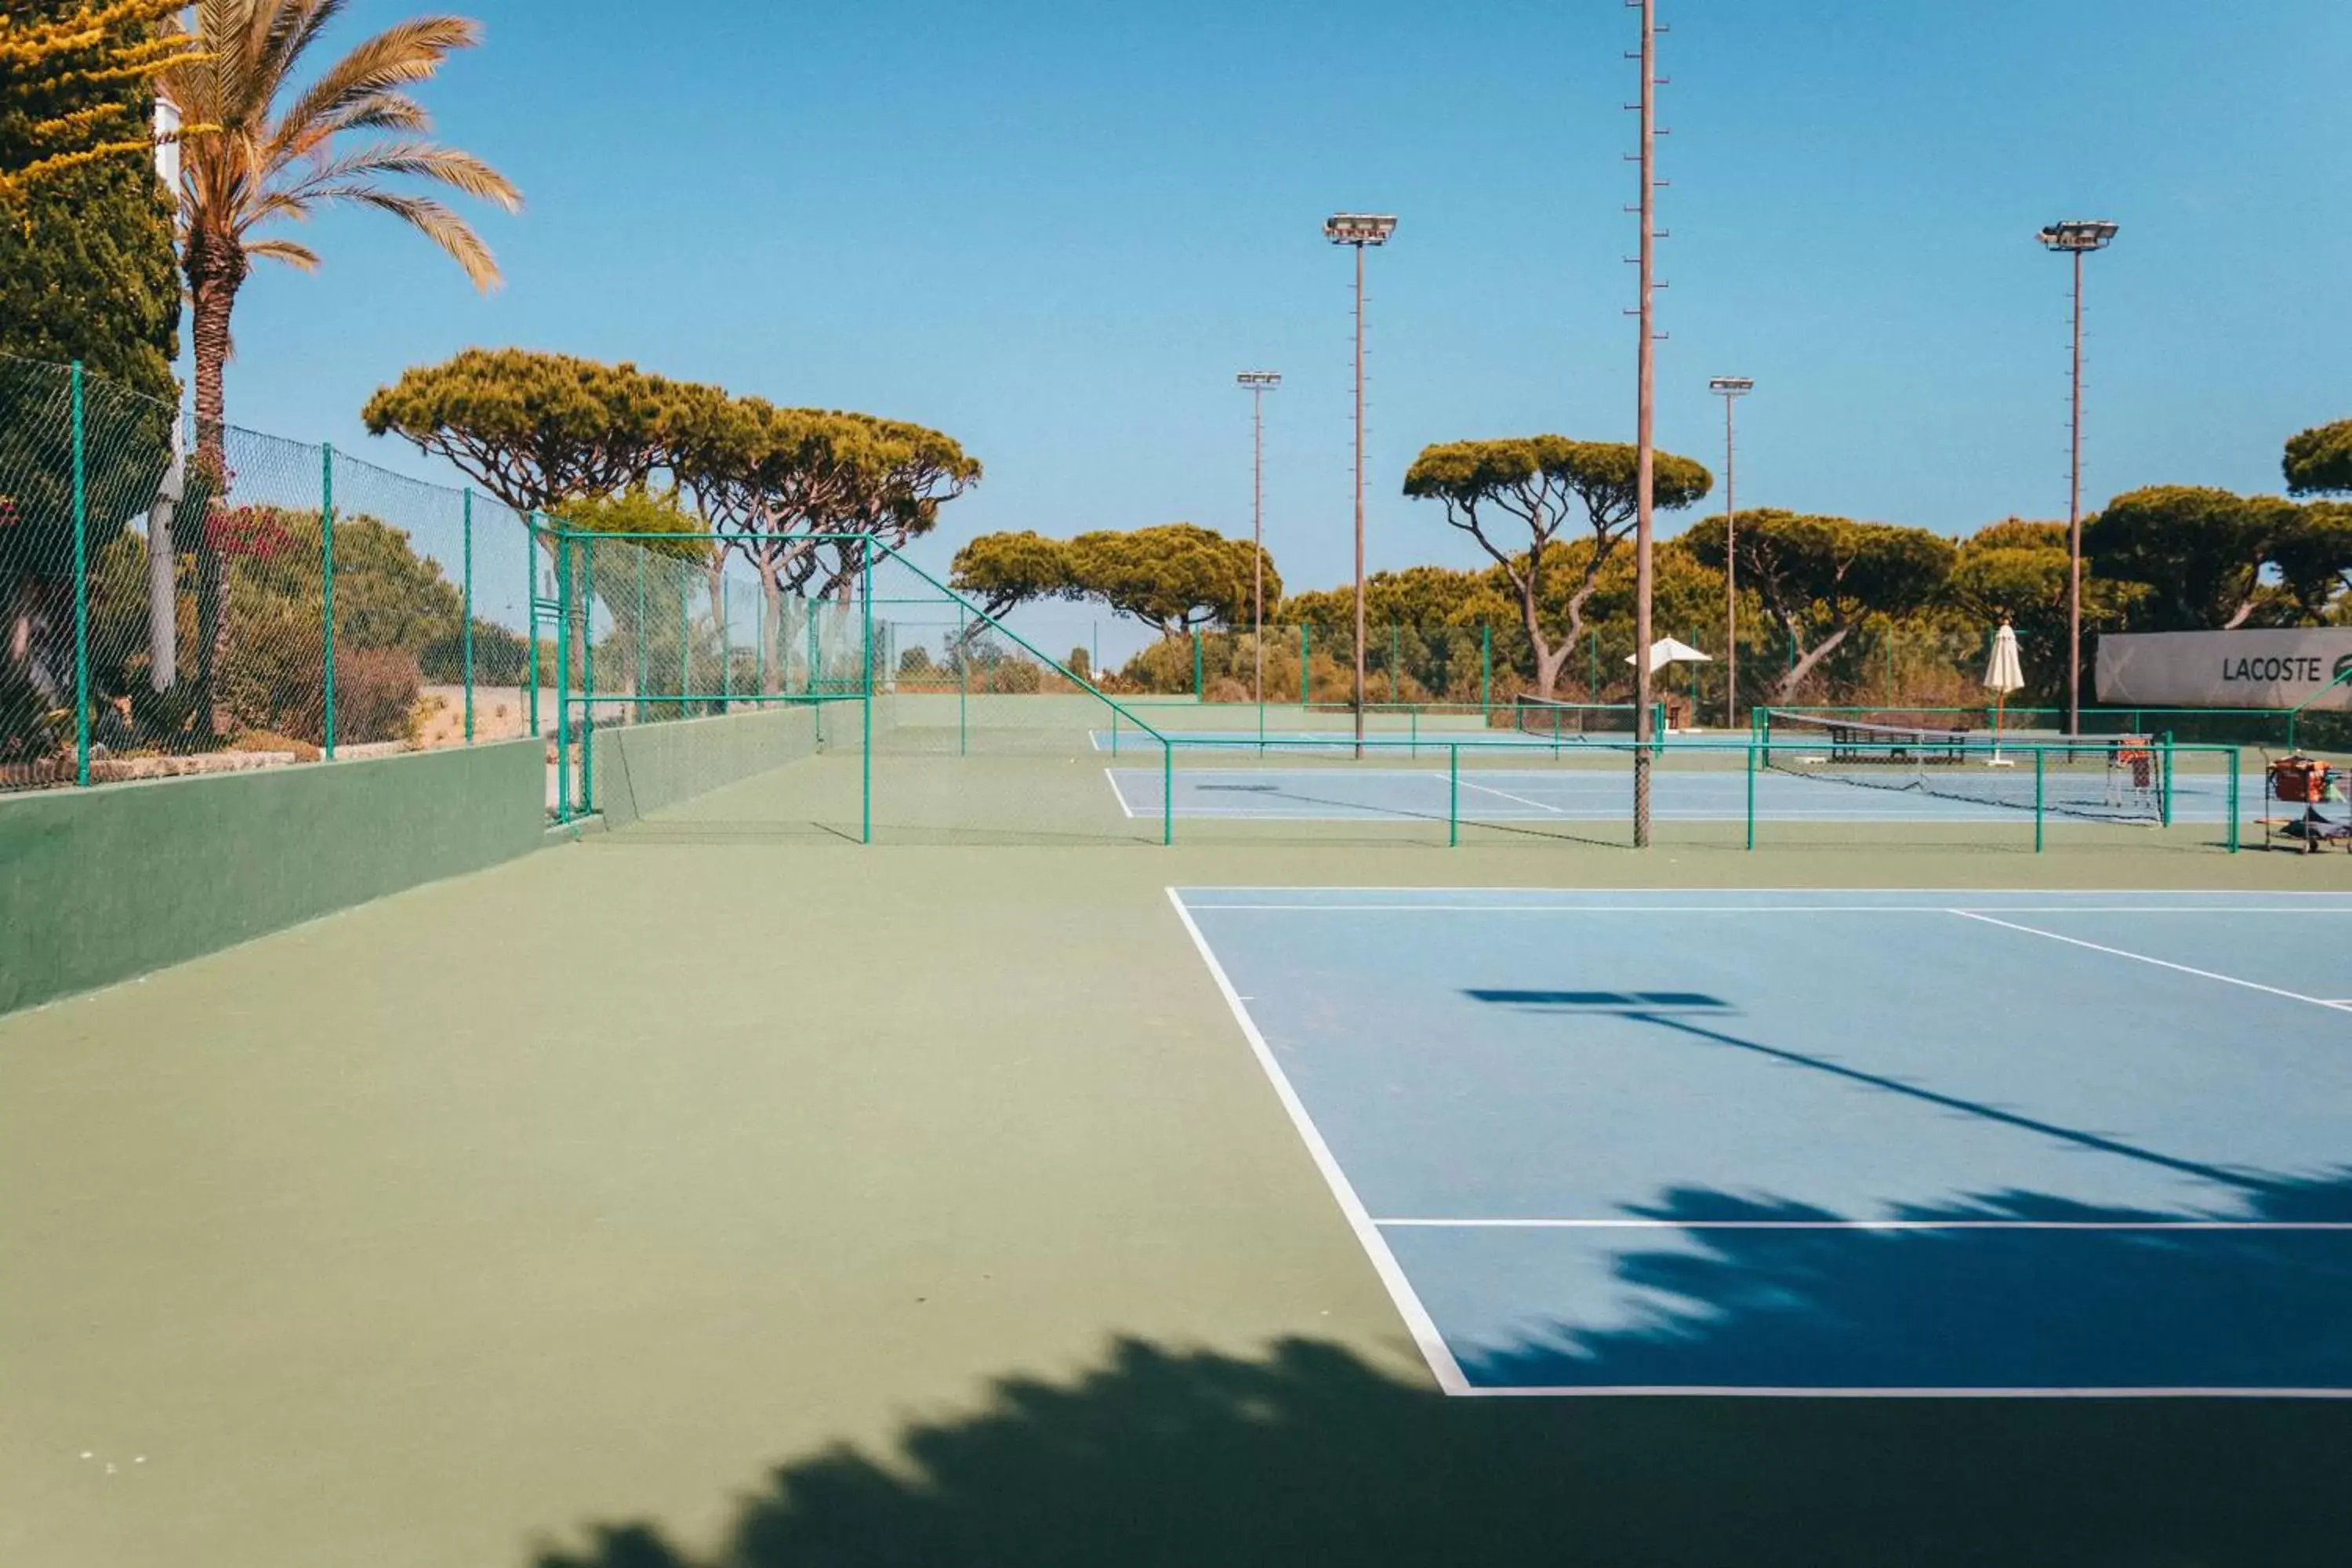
(1358, 228)
(2079, 234)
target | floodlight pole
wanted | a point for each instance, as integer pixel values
(1359, 500)
(2075, 238)
(1359, 230)
(1730, 388)
(1645, 460)
(1259, 383)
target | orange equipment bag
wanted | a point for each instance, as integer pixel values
(2302, 780)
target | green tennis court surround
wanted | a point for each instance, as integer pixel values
(104, 884)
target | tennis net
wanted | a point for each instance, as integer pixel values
(2109, 778)
(1545, 717)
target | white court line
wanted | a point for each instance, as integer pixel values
(1417, 1320)
(2219, 893)
(1769, 909)
(1118, 793)
(1506, 795)
(1874, 1224)
(2158, 962)
(1799, 1391)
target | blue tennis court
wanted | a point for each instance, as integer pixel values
(1376, 790)
(1395, 742)
(2053, 1143)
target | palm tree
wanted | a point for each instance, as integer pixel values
(256, 165)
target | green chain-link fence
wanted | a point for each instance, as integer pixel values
(181, 600)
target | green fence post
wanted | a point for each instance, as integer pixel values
(2235, 758)
(1167, 792)
(760, 646)
(1198, 691)
(327, 582)
(2164, 780)
(1454, 795)
(644, 652)
(1486, 671)
(82, 584)
(964, 688)
(531, 610)
(726, 649)
(866, 709)
(2040, 755)
(1752, 792)
(469, 615)
(587, 677)
(562, 676)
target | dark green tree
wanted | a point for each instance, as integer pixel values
(1175, 575)
(1005, 570)
(1505, 492)
(1820, 578)
(534, 429)
(86, 273)
(2319, 461)
(2016, 571)
(2200, 552)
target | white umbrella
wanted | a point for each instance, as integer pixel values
(1668, 650)
(1671, 651)
(2002, 676)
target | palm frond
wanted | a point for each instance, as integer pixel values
(400, 55)
(421, 160)
(295, 255)
(435, 222)
(385, 111)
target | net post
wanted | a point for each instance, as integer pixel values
(1167, 792)
(2236, 757)
(81, 582)
(2041, 755)
(1486, 671)
(1751, 790)
(468, 637)
(1454, 795)
(327, 583)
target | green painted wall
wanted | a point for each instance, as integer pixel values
(640, 769)
(99, 885)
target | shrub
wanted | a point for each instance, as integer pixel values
(375, 695)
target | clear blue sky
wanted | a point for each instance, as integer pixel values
(1056, 231)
